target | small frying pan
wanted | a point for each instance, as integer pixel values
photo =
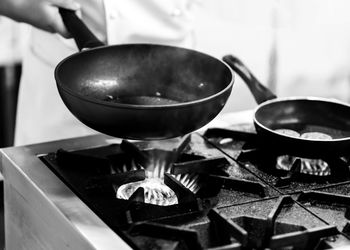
(311, 117)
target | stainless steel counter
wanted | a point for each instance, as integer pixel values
(40, 211)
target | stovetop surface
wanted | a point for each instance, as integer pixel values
(240, 208)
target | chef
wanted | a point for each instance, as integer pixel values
(41, 115)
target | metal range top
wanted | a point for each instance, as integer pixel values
(68, 194)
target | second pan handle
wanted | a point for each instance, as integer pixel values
(82, 35)
(259, 91)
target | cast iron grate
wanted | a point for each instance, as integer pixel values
(333, 204)
(221, 232)
(269, 234)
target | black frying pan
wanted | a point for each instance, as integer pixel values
(140, 91)
(305, 115)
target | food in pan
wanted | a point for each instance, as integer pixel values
(307, 135)
(316, 136)
(288, 132)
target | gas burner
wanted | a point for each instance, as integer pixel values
(316, 167)
(154, 189)
(156, 164)
(159, 164)
(288, 168)
(246, 147)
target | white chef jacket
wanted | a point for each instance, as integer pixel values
(41, 114)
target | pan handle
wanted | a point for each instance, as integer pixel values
(82, 35)
(259, 91)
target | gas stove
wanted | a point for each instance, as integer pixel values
(221, 189)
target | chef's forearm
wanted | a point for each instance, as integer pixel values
(42, 14)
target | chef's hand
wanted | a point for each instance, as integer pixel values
(42, 14)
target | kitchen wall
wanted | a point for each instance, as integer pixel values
(295, 47)
(242, 28)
